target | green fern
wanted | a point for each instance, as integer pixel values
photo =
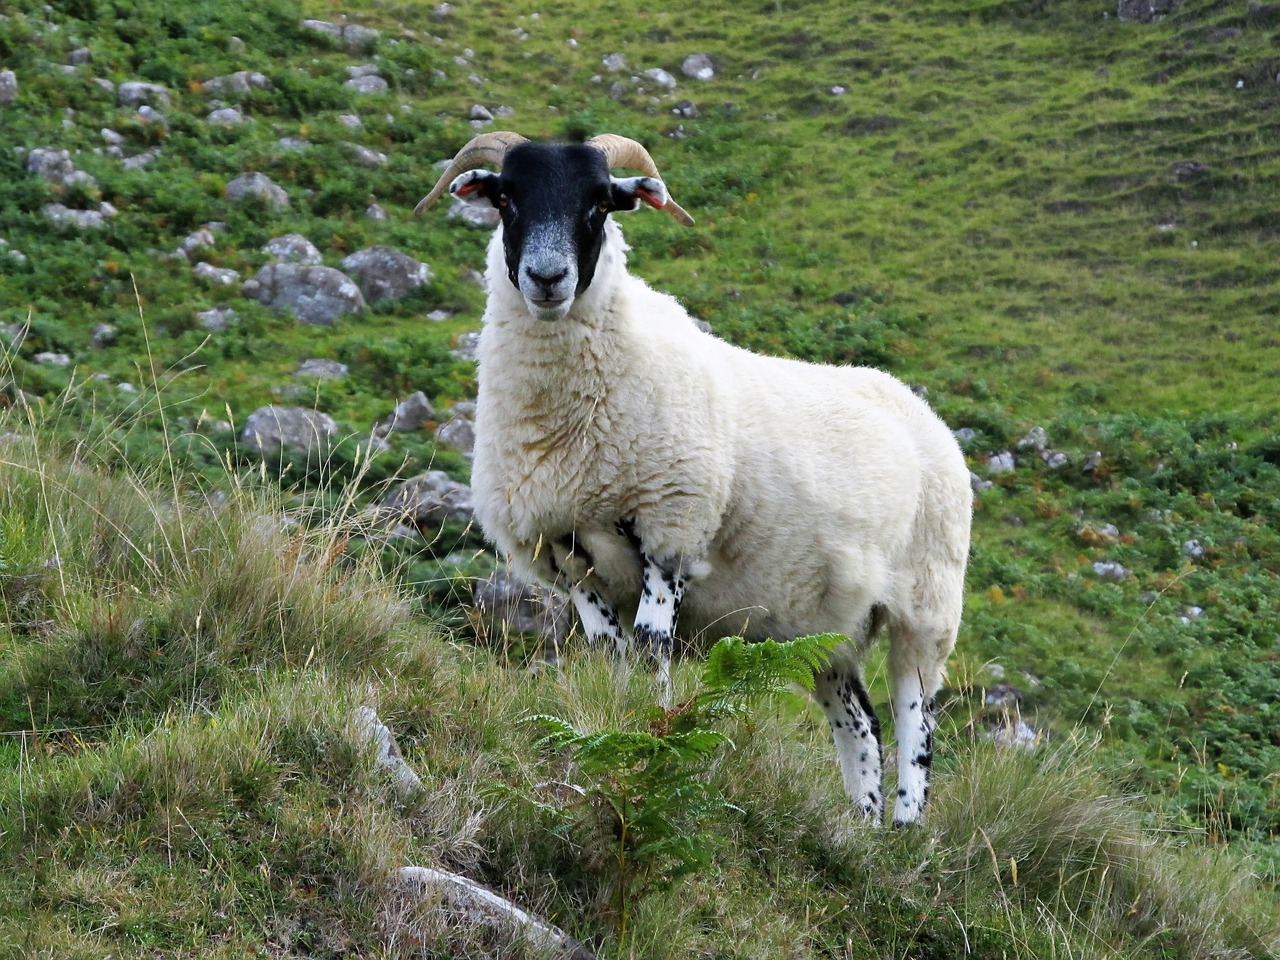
(648, 785)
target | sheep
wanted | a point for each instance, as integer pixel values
(657, 474)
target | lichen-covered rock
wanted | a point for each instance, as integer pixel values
(292, 248)
(427, 501)
(383, 273)
(269, 429)
(503, 604)
(257, 186)
(412, 413)
(315, 295)
(137, 93)
(698, 66)
(240, 82)
(318, 368)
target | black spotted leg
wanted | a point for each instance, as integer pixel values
(655, 626)
(599, 620)
(856, 732)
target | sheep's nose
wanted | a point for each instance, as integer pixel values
(545, 277)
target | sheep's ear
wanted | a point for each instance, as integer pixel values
(629, 191)
(478, 187)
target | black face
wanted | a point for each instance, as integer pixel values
(554, 201)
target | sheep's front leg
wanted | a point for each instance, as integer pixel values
(655, 627)
(856, 732)
(599, 620)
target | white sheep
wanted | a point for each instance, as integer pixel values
(654, 471)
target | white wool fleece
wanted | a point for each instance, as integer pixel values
(793, 496)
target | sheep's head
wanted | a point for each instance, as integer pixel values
(553, 200)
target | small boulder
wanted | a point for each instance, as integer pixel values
(292, 248)
(504, 604)
(269, 429)
(459, 433)
(383, 273)
(218, 275)
(136, 93)
(698, 66)
(614, 62)
(315, 295)
(368, 84)
(412, 413)
(52, 359)
(1002, 462)
(428, 501)
(217, 319)
(240, 82)
(661, 78)
(485, 217)
(317, 368)
(8, 87)
(50, 163)
(226, 117)
(355, 38)
(257, 186)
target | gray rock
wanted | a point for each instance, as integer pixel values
(428, 501)
(504, 604)
(200, 240)
(315, 295)
(614, 62)
(375, 212)
(351, 121)
(259, 187)
(365, 157)
(363, 70)
(977, 484)
(354, 38)
(293, 144)
(268, 429)
(368, 85)
(439, 316)
(15, 333)
(1036, 439)
(17, 256)
(217, 319)
(383, 273)
(484, 217)
(1015, 733)
(686, 109)
(320, 369)
(1111, 570)
(136, 93)
(8, 87)
(140, 160)
(1001, 462)
(80, 56)
(111, 138)
(63, 216)
(1055, 459)
(226, 117)
(466, 345)
(240, 82)
(442, 11)
(480, 112)
(50, 163)
(698, 66)
(150, 115)
(105, 334)
(965, 435)
(105, 85)
(1193, 550)
(661, 78)
(459, 433)
(218, 275)
(1002, 696)
(51, 359)
(412, 413)
(292, 248)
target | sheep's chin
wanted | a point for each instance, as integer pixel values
(548, 309)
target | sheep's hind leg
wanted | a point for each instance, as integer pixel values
(655, 626)
(855, 730)
(915, 719)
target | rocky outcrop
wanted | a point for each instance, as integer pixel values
(315, 295)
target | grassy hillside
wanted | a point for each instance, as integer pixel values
(1044, 216)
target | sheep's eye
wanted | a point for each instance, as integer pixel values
(602, 206)
(503, 201)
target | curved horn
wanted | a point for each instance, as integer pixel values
(486, 149)
(624, 152)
